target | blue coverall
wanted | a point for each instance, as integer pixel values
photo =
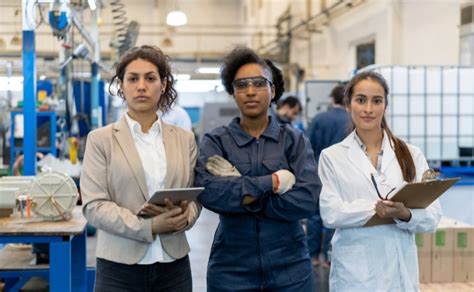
(261, 246)
(326, 129)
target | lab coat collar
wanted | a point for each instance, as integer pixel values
(360, 159)
(242, 138)
(388, 153)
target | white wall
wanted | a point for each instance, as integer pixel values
(214, 25)
(430, 33)
(405, 32)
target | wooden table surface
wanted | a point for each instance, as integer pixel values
(37, 226)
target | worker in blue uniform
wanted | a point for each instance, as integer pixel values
(261, 178)
(326, 128)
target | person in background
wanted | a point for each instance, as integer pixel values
(358, 175)
(127, 162)
(260, 177)
(325, 129)
(177, 116)
(288, 109)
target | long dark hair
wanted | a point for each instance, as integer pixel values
(162, 62)
(405, 160)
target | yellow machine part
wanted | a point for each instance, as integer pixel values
(73, 145)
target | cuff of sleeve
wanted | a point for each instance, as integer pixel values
(193, 214)
(415, 214)
(255, 207)
(256, 186)
(149, 237)
(265, 183)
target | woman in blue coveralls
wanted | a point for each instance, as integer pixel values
(261, 178)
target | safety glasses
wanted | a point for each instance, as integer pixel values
(377, 189)
(259, 83)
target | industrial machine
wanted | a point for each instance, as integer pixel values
(50, 195)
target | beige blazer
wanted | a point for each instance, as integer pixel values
(113, 188)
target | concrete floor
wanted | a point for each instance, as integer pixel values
(200, 239)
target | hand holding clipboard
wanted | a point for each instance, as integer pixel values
(416, 196)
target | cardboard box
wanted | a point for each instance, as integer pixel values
(424, 247)
(463, 254)
(442, 256)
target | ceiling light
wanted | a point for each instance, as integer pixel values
(92, 5)
(209, 70)
(199, 86)
(176, 18)
(181, 77)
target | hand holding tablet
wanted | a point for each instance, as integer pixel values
(175, 196)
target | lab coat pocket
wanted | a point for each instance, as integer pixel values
(351, 268)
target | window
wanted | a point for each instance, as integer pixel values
(365, 55)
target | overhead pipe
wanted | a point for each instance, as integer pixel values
(305, 23)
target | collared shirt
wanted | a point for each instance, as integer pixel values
(151, 149)
(378, 164)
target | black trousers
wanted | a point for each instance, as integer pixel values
(169, 277)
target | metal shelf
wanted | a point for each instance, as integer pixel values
(14, 150)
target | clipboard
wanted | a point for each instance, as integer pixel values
(416, 196)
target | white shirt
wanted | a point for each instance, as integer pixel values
(151, 150)
(177, 116)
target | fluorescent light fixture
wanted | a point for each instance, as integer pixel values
(176, 18)
(199, 86)
(92, 5)
(182, 76)
(209, 70)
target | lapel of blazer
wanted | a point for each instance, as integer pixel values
(358, 158)
(169, 138)
(125, 141)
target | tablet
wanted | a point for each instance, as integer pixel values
(175, 195)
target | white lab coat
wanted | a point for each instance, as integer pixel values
(379, 258)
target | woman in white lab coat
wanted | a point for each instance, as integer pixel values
(357, 175)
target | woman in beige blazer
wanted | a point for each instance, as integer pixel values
(124, 164)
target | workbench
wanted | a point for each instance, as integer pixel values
(67, 257)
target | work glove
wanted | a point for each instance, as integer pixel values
(285, 181)
(218, 166)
